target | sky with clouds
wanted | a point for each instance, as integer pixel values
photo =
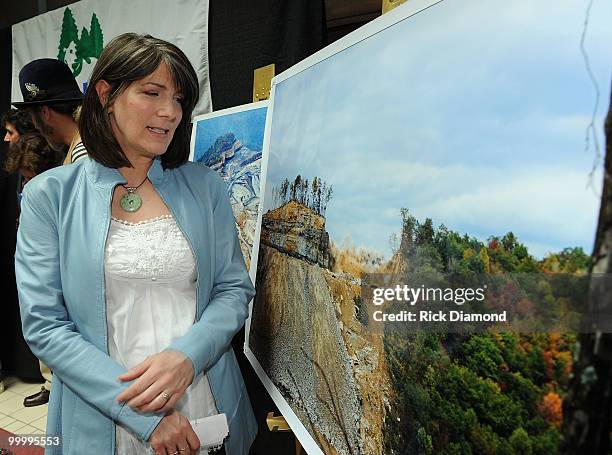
(470, 113)
(247, 126)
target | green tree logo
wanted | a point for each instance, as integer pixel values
(73, 49)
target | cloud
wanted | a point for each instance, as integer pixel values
(547, 208)
(473, 115)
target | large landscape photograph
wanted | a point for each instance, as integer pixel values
(464, 139)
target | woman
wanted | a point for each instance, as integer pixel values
(16, 355)
(30, 156)
(130, 275)
(16, 123)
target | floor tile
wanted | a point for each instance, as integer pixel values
(30, 414)
(15, 427)
(5, 421)
(11, 405)
(24, 389)
(6, 395)
(40, 423)
(28, 429)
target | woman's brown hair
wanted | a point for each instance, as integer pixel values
(31, 152)
(126, 59)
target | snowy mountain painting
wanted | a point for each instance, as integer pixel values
(230, 142)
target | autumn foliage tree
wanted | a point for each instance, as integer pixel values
(552, 409)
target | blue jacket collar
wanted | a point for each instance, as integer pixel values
(107, 177)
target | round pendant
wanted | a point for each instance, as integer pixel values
(130, 201)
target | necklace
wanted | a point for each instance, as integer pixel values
(131, 201)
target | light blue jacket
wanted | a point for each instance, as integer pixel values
(65, 216)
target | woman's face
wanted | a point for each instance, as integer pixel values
(12, 135)
(145, 115)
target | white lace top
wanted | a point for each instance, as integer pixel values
(150, 301)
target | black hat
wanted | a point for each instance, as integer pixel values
(47, 81)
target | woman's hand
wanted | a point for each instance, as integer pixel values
(174, 436)
(162, 381)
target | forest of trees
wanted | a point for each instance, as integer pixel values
(314, 195)
(486, 393)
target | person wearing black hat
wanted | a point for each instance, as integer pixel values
(52, 96)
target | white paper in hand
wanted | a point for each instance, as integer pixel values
(211, 430)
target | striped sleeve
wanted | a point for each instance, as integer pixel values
(79, 151)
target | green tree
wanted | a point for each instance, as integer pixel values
(295, 187)
(425, 232)
(509, 241)
(483, 440)
(96, 36)
(316, 196)
(409, 224)
(521, 442)
(284, 188)
(424, 442)
(69, 34)
(327, 195)
(483, 356)
(83, 52)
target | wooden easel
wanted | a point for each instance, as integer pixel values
(388, 5)
(262, 82)
(279, 424)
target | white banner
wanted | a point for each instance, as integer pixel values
(77, 33)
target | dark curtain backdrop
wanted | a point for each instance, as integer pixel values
(6, 60)
(17, 359)
(244, 36)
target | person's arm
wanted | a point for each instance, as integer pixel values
(231, 293)
(47, 326)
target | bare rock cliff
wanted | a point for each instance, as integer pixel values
(298, 231)
(305, 333)
(296, 337)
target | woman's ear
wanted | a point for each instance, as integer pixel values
(103, 90)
